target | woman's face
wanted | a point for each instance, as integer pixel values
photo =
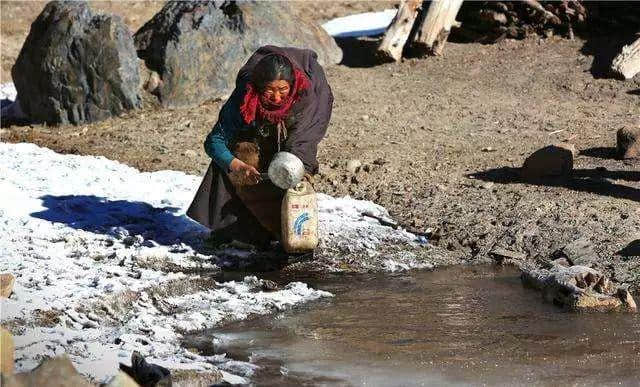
(275, 92)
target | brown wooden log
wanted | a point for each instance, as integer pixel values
(627, 62)
(436, 26)
(399, 30)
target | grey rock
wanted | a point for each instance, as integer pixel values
(76, 67)
(579, 252)
(197, 47)
(550, 161)
(628, 143)
(577, 288)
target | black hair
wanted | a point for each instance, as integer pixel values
(272, 67)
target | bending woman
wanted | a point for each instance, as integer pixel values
(281, 101)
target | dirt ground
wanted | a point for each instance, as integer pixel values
(440, 141)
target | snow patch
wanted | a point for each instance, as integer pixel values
(362, 24)
(79, 231)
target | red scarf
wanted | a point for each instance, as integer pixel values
(253, 108)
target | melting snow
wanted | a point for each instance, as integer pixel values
(94, 242)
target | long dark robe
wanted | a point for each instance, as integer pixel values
(217, 204)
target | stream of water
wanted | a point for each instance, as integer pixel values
(456, 326)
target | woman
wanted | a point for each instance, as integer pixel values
(282, 101)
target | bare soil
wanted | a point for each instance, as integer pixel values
(440, 140)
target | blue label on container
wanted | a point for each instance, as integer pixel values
(299, 222)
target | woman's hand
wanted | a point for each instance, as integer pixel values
(248, 174)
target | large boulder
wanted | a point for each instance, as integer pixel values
(628, 143)
(76, 67)
(198, 47)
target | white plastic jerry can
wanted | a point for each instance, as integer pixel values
(300, 219)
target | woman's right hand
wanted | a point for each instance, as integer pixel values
(247, 171)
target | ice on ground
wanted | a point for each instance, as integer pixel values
(102, 255)
(362, 24)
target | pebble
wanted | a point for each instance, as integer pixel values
(488, 149)
(353, 166)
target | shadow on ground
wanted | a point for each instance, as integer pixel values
(604, 49)
(582, 180)
(600, 152)
(118, 218)
(360, 52)
(125, 220)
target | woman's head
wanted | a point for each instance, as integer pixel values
(273, 78)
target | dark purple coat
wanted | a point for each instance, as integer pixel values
(216, 204)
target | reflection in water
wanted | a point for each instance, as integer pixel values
(473, 325)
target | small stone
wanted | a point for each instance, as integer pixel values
(487, 186)
(627, 299)
(562, 262)
(628, 143)
(364, 117)
(488, 149)
(122, 380)
(58, 371)
(500, 254)
(6, 284)
(269, 286)
(552, 160)
(6, 352)
(353, 166)
(191, 153)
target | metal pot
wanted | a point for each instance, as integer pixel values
(286, 170)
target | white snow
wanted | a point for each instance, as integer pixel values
(362, 24)
(93, 239)
(8, 91)
(77, 230)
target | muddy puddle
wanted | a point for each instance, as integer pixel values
(456, 326)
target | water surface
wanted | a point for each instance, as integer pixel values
(456, 326)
